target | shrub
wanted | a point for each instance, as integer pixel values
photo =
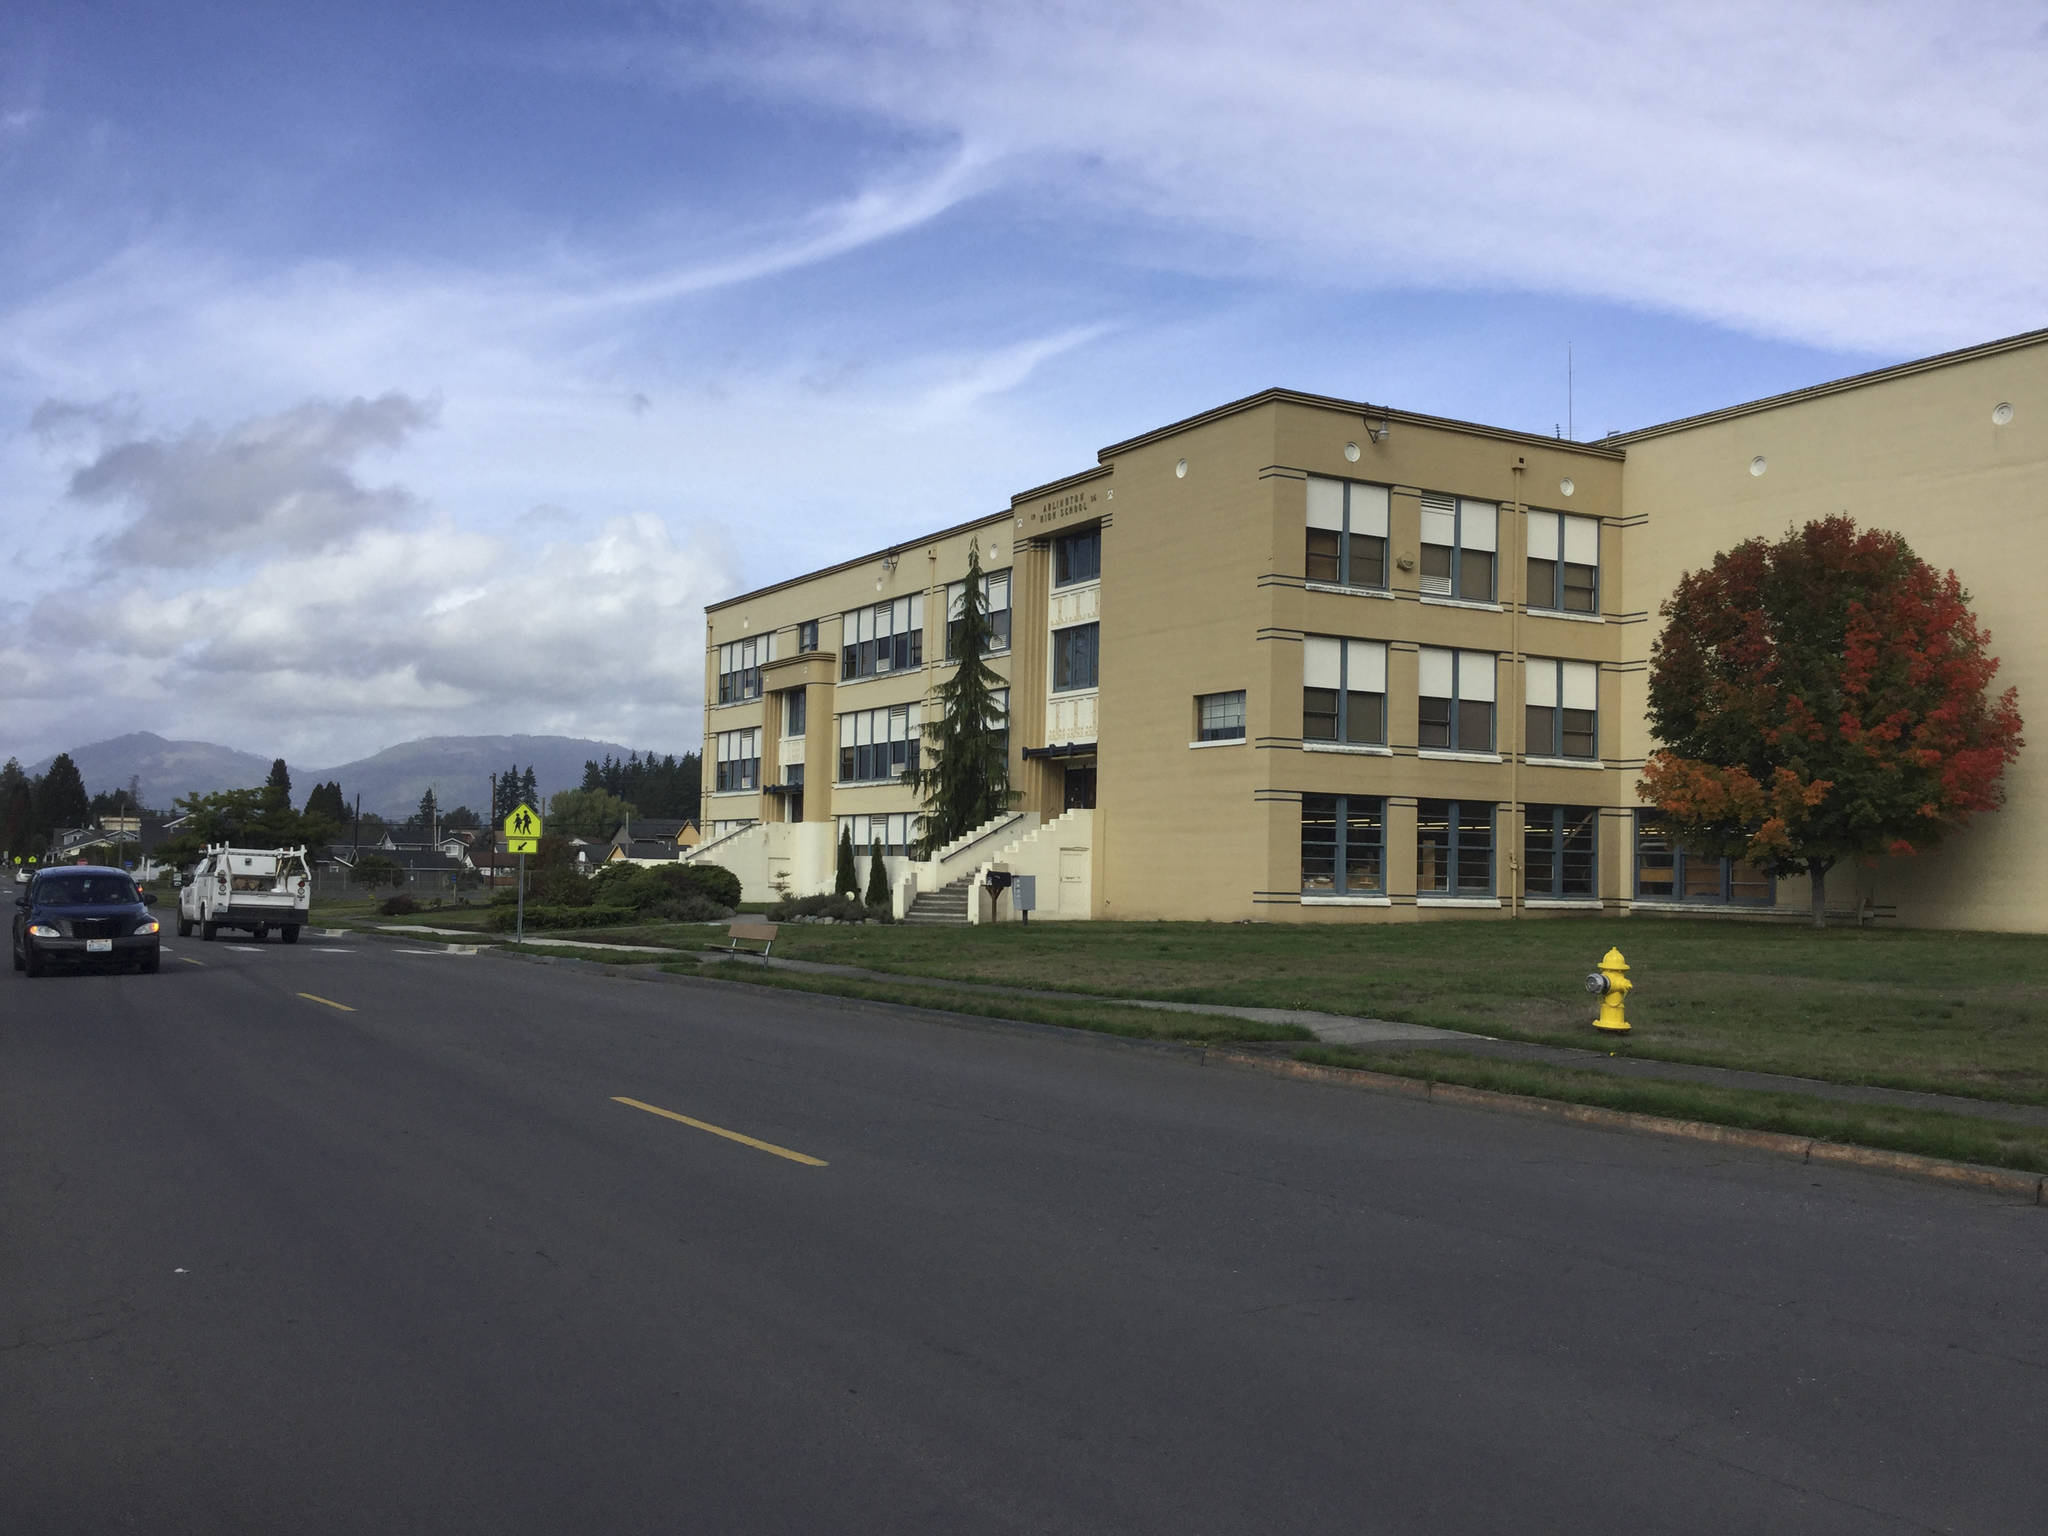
(560, 885)
(399, 906)
(690, 907)
(714, 881)
(845, 908)
(504, 919)
(878, 879)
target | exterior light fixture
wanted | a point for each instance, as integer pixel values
(1378, 430)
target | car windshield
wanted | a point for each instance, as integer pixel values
(101, 890)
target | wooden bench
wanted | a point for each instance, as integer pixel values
(753, 930)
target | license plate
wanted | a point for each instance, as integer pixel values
(99, 946)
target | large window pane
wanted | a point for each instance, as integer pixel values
(1364, 837)
(1077, 557)
(1475, 575)
(1368, 561)
(1319, 843)
(1475, 726)
(1542, 583)
(1576, 850)
(1432, 846)
(1656, 862)
(1365, 719)
(1475, 849)
(1578, 733)
(1074, 657)
(1318, 714)
(1323, 555)
(1433, 722)
(1542, 727)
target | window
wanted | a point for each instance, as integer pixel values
(1562, 706)
(1667, 871)
(739, 759)
(739, 668)
(795, 711)
(1074, 660)
(807, 636)
(1557, 850)
(1458, 538)
(878, 745)
(995, 592)
(1564, 562)
(1077, 557)
(1219, 716)
(1000, 713)
(888, 637)
(1343, 840)
(1455, 707)
(1453, 848)
(1347, 533)
(720, 828)
(897, 831)
(1344, 691)
(793, 775)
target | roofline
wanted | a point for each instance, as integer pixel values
(1359, 408)
(1064, 483)
(847, 565)
(1838, 386)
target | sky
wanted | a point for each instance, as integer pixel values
(370, 372)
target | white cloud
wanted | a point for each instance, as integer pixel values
(1859, 176)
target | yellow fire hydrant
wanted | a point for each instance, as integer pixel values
(1611, 985)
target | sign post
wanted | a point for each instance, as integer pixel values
(522, 836)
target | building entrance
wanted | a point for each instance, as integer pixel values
(1080, 794)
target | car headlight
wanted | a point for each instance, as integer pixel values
(43, 931)
(148, 927)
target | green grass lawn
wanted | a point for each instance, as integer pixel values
(1951, 1012)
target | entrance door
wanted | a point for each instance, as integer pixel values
(1080, 787)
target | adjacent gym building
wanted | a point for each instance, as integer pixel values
(1309, 659)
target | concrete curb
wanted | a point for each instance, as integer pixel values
(2029, 1187)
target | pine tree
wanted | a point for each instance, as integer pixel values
(17, 812)
(280, 779)
(878, 878)
(529, 788)
(59, 797)
(965, 779)
(428, 813)
(847, 883)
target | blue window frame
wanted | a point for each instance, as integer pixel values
(1077, 557)
(1667, 871)
(1560, 849)
(1343, 845)
(1453, 848)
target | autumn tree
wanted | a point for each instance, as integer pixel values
(965, 779)
(1820, 698)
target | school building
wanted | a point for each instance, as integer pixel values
(1309, 659)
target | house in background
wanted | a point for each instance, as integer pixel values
(652, 839)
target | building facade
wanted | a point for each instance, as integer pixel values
(1308, 659)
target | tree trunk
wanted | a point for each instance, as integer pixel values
(1817, 876)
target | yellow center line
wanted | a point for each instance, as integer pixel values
(718, 1130)
(187, 959)
(328, 1001)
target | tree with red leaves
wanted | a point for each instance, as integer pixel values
(1821, 698)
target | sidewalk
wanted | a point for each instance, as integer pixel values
(1343, 1029)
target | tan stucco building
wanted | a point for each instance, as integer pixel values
(1300, 658)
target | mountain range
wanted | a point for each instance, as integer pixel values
(457, 768)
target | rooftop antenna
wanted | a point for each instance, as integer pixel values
(1570, 429)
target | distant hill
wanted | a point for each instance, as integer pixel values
(391, 782)
(459, 769)
(167, 768)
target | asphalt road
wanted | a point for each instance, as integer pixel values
(268, 1265)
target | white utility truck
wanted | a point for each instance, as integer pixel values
(256, 889)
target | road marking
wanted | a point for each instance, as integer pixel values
(187, 959)
(244, 949)
(336, 950)
(718, 1130)
(330, 1002)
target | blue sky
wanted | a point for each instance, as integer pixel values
(409, 370)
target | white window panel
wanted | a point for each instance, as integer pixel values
(1367, 672)
(1542, 677)
(1325, 503)
(1435, 673)
(1439, 520)
(1475, 676)
(1542, 535)
(1478, 524)
(846, 730)
(1321, 662)
(1368, 510)
(1581, 685)
(1581, 541)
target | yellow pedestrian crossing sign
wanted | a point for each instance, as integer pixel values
(522, 830)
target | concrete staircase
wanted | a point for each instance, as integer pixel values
(946, 906)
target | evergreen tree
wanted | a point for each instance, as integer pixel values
(847, 883)
(59, 797)
(965, 779)
(529, 788)
(326, 803)
(280, 779)
(878, 878)
(17, 812)
(428, 813)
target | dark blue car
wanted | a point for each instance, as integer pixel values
(84, 915)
